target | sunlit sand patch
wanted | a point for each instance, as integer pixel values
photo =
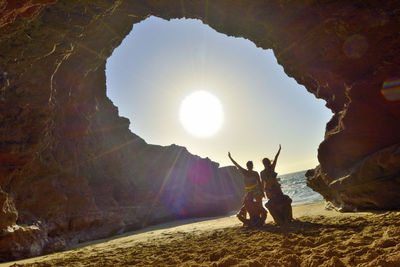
(317, 238)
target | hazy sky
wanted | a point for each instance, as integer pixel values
(161, 62)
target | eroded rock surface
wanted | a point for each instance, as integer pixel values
(372, 183)
(21, 9)
(73, 170)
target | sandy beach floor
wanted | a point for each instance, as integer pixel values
(317, 238)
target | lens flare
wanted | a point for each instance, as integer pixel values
(391, 89)
(200, 172)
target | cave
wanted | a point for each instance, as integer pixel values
(67, 157)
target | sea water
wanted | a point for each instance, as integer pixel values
(294, 185)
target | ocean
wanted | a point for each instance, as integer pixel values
(294, 185)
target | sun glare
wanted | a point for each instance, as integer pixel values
(201, 114)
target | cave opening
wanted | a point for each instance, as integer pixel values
(161, 62)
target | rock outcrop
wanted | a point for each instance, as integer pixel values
(72, 171)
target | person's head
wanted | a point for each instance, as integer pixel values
(267, 163)
(249, 165)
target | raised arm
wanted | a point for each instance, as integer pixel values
(276, 158)
(242, 170)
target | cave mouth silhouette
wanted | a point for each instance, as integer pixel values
(66, 148)
(160, 62)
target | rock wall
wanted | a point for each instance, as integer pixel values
(72, 171)
(21, 9)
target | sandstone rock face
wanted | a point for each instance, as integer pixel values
(372, 183)
(72, 171)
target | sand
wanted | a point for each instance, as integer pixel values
(317, 238)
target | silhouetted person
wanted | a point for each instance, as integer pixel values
(279, 205)
(254, 191)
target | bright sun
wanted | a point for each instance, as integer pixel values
(201, 114)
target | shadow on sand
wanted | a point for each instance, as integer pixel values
(308, 228)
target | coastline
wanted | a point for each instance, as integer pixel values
(317, 237)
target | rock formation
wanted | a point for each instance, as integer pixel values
(22, 9)
(72, 171)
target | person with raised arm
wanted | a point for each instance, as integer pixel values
(252, 202)
(279, 205)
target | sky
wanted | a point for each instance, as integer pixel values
(162, 62)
